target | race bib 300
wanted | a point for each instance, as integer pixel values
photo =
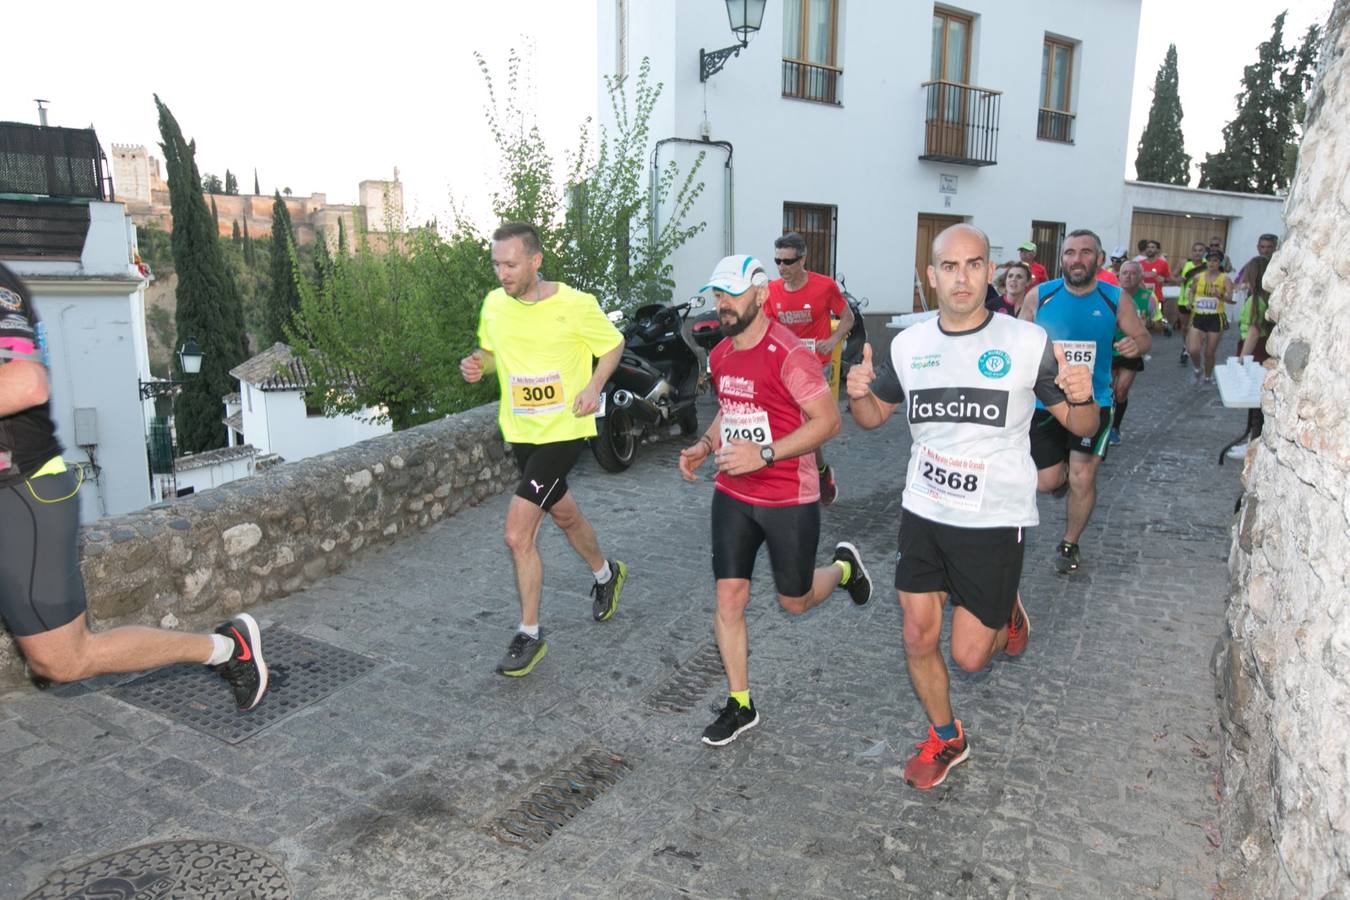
(537, 395)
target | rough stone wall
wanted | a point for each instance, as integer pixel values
(194, 562)
(1283, 668)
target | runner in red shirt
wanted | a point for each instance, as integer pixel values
(803, 301)
(775, 411)
(1026, 251)
(1157, 271)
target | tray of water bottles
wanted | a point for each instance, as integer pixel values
(1240, 381)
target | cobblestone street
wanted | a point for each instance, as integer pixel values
(1093, 761)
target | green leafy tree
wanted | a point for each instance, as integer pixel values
(284, 298)
(231, 183)
(386, 330)
(211, 184)
(1162, 156)
(1257, 142)
(601, 241)
(208, 310)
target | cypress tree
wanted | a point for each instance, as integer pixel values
(257, 191)
(215, 214)
(323, 262)
(209, 310)
(234, 232)
(1162, 156)
(284, 297)
(1256, 141)
(248, 244)
(342, 238)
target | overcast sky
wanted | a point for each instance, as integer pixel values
(321, 96)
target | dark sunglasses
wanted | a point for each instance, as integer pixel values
(789, 262)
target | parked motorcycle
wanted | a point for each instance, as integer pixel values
(707, 332)
(654, 386)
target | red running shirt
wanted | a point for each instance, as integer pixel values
(806, 311)
(761, 391)
(1155, 270)
(1038, 273)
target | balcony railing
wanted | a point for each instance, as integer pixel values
(52, 162)
(808, 81)
(1055, 125)
(960, 124)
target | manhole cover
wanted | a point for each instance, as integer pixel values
(302, 669)
(201, 870)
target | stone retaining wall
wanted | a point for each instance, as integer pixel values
(1284, 665)
(194, 562)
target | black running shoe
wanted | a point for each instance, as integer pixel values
(733, 720)
(523, 654)
(859, 584)
(245, 670)
(1067, 558)
(606, 596)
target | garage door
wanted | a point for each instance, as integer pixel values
(1175, 231)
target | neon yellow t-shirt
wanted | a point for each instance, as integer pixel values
(544, 352)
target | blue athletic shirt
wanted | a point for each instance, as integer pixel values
(1084, 327)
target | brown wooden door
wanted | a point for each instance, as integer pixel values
(1176, 233)
(930, 226)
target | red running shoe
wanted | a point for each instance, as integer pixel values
(1019, 629)
(927, 768)
(829, 490)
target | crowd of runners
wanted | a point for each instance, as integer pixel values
(1007, 391)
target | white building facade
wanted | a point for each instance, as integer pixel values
(871, 126)
(93, 308)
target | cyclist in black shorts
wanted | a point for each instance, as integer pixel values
(42, 595)
(968, 382)
(775, 411)
(541, 338)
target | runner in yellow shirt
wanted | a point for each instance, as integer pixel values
(540, 338)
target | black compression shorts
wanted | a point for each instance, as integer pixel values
(40, 584)
(978, 568)
(543, 470)
(1210, 324)
(1051, 442)
(792, 533)
(1133, 363)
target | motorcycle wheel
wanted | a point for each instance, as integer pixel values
(688, 420)
(615, 443)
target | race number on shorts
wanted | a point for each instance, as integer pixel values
(746, 426)
(1079, 353)
(536, 395)
(953, 481)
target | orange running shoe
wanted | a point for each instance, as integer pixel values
(927, 768)
(1019, 629)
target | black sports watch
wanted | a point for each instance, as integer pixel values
(766, 454)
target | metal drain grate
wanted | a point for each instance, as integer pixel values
(302, 671)
(203, 870)
(690, 681)
(557, 798)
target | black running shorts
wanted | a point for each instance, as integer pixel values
(978, 568)
(792, 533)
(1133, 363)
(1051, 441)
(1209, 324)
(40, 584)
(543, 470)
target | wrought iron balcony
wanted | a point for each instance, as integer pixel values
(808, 81)
(960, 124)
(1055, 125)
(46, 161)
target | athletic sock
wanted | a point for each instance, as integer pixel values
(222, 648)
(603, 574)
(947, 732)
(1121, 406)
(846, 569)
(741, 697)
(531, 630)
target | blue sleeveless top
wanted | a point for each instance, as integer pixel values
(1067, 317)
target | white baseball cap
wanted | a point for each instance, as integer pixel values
(737, 274)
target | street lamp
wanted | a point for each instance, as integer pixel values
(190, 361)
(745, 17)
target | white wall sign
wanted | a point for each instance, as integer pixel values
(946, 184)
